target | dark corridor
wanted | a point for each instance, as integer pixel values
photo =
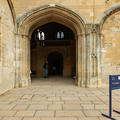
(55, 64)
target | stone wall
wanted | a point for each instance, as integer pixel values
(39, 56)
(98, 59)
(7, 48)
(111, 47)
(97, 53)
(90, 9)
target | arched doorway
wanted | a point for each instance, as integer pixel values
(55, 64)
(58, 47)
(41, 16)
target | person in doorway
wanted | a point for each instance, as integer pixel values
(74, 72)
(46, 69)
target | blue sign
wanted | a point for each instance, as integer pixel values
(115, 82)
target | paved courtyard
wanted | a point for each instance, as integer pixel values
(56, 99)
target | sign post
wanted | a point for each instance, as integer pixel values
(110, 97)
(114, 83)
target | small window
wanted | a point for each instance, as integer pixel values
(60, 35)
(40, 35)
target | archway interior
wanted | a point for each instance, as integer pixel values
(55, 63)
(57, 45)
(50, 31)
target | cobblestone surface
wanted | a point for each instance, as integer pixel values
(56, 99)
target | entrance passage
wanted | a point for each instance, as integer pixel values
(55, 43)
(55, 64)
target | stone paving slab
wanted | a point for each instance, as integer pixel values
(72, 107)
(25, 113)
(54, 107)
(31, 118)
(60, 118)
(38, 107)
(69, 113)
(89, 118)
(48, 100)
(92, 113)
(45, 113)
(20, 107)
(7, 113)
(12, 118)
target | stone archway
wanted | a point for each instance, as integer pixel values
(30, 21)
(110, 29)
(111, 10)
(66, 46)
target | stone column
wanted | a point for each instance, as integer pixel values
(83, 53)
(0, 43)
(88, 59)
(78, 60)
(93, 56)
(28, 61)
(22, 61)
(0, 57)
(81, 60)
(99, 56)
(17, 60)
(25, 61)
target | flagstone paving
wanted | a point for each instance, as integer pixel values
(57, 99)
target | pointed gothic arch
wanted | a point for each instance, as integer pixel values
(107, 34)
(110, 11)
(40, 16)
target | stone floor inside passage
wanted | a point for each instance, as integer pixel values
(57, 99)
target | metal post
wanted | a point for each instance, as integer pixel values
(110, 96)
